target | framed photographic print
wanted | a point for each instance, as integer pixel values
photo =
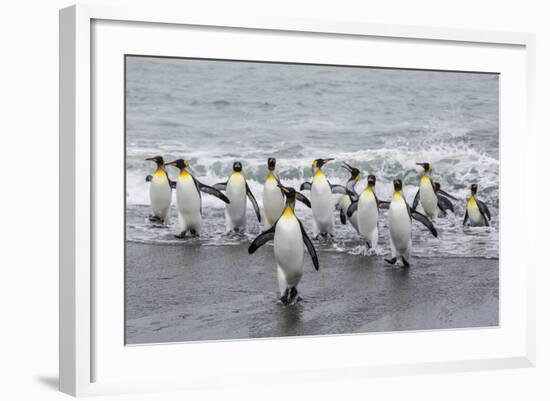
(235, 193)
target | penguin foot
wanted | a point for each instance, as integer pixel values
(391, 261)
(194, 233)
(285, 297)
(293, 296)
(181, 235)
(155, 219)
(406, 264)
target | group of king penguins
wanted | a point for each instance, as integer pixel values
(283, 227)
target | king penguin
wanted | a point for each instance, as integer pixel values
(160, 191)
(289, 238)
(428, 195)
(476, 211)
(321, 198)
(237, 189)
(351, 196)
(366, 212)
(400, 222)
(188, 197)
(273, 198)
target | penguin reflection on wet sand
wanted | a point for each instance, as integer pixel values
(289, 237)
(366, 211)
(351, 196)
(477, 212)
(321, 198)
(400, 222)
(160, 191)
(188, 197)
(237, 190)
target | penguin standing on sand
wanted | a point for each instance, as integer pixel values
(289, 238)
(427, 195)
(160, 191)
(351, 196)
(188, 197)
(366, 212)
(400, 222)
(273, 198)
(321, 198)
(477, 212)
(237, 189)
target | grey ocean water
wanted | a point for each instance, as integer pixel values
(381, 121)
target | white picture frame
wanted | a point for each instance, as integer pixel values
(93, 360)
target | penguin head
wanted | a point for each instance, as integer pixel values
(237, 167)
(371, 180)
(354, 172)
(473, 188)
(179, 163)
(157, 159)
(271, 163)
(318, 164)
(426, 166)
(397, 185)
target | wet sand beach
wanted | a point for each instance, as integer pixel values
(188, 292)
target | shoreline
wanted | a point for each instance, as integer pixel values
(207, 293)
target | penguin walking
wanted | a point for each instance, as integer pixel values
(400, 222)
(351, 196)
(188, 197)
(366, 211)
(321, 198)
(160, 192)
(289, 238)
(432, 204)
(477, 212)
(237, 189)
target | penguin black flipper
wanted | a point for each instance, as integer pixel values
(302, 198)
(465, 217)
(220, 186)
(444, 204)
(261, 239)
(416, 200)
(342, 216)
(254, 203)
(211, 191)
(352, 195)
(424, 220)
(447, 195)
(149, 178)
(339, 189)
(305, 186)
(309, 246)
(352, 208)
(484, 209)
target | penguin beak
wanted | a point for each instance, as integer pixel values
(283, 188)
(325, 161)
(347, 166)
(170, 164)
(151, 159)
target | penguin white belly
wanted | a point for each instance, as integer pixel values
(400, 227)
(367, 216)
(160, 194)
(344, 203)
(321, 204)
(428, 198)
(189, 203)
(273, 201)
(289, 249)
(476, 219)
(235, 211)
